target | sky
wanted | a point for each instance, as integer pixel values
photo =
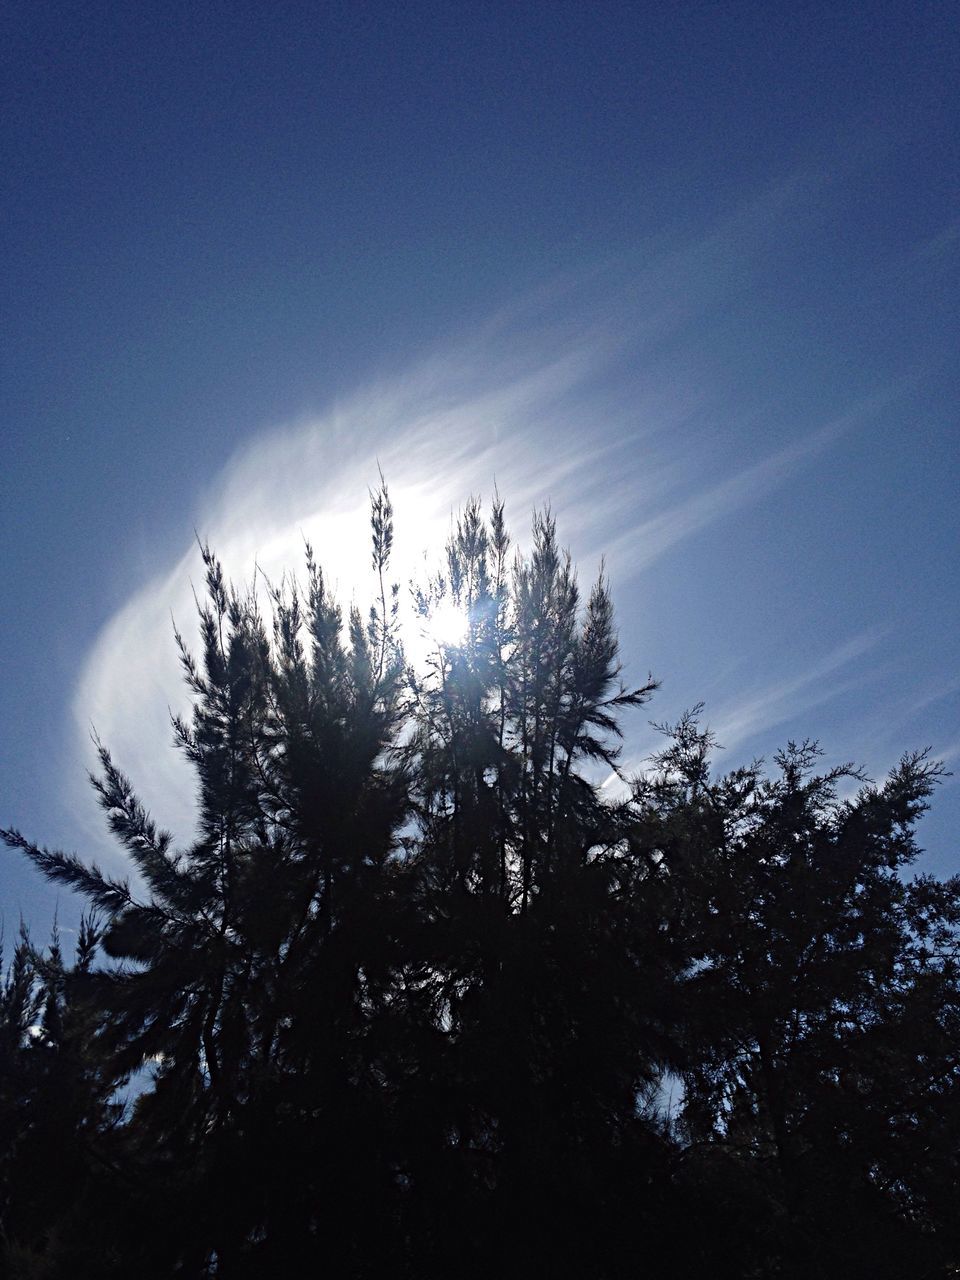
(686, 273)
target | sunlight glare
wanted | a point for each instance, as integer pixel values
(447, 623)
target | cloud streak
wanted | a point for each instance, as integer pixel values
(641, 545)
(516, 403)
(763, 709)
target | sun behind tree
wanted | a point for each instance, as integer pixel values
(411, 996)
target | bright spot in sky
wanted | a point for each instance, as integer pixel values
(447, 623)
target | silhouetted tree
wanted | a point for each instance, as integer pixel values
(820, 1010)
(413, 1001)
(57, 1113)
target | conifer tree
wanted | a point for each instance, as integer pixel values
(820, 1004)
(57, 1114)
(412, 1000)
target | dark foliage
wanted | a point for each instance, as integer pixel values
(421, 1001)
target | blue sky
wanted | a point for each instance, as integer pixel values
(687, 272)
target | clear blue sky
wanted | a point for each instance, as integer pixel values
(687, 271)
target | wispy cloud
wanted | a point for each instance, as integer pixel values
(444, 430)
(747, 719)
(756, 712)
(515, 403)
(943, 689)
(639, 546)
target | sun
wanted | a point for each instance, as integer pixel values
(428, 635)
(446, 624)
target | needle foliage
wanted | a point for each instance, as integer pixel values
(423, 998)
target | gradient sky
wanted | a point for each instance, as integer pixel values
(688, 272)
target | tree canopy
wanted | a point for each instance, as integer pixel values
(423, 999)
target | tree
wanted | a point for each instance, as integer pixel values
(56, 1112)
(820, 1005)
(544, 1056)
(411, 1001)
(238, 961)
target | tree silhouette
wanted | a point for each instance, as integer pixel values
(413, 1000)
(819, 1007)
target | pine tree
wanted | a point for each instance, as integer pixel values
(411, 1002)
(542, 1060)
(57, 1116)
(238, 969)
(820, 1003)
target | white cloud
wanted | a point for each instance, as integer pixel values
(639, 546)
(517, 404)
(437, 434)
(753, 713)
